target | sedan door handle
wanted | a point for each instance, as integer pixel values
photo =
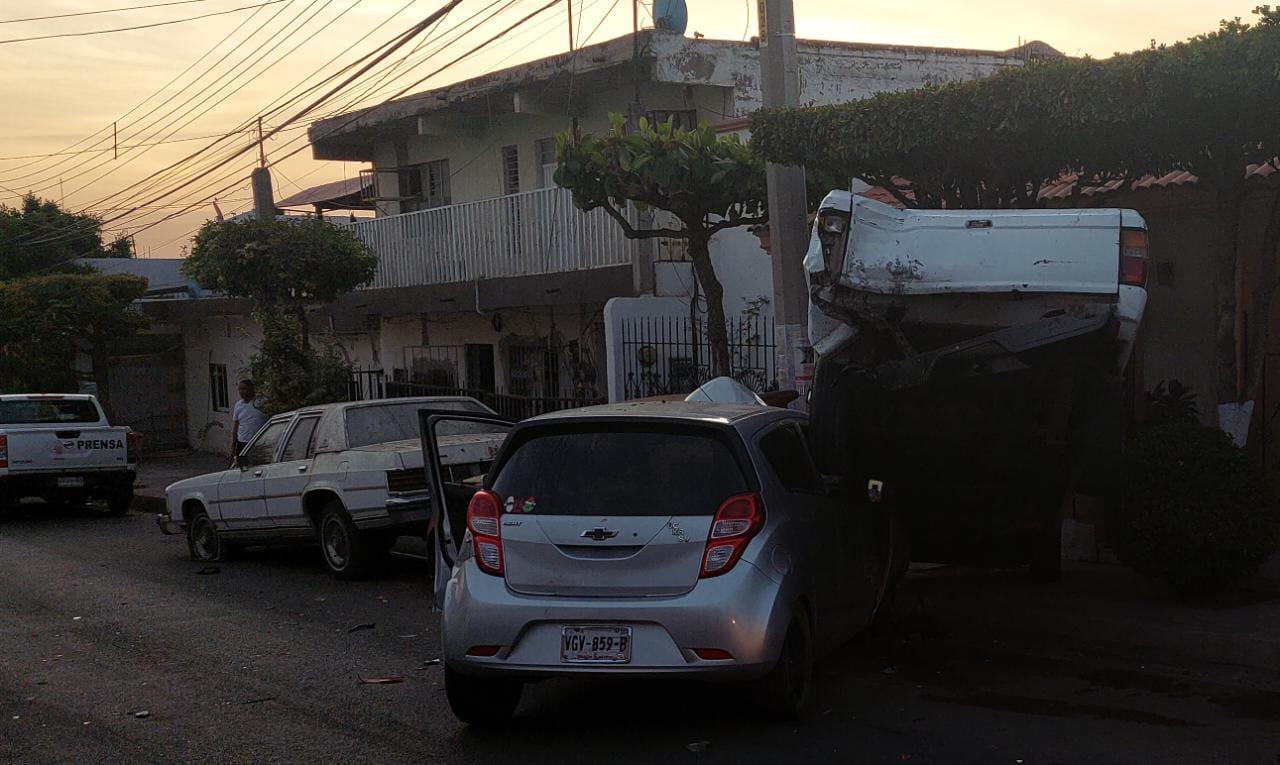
(302, 468)
(257, 473)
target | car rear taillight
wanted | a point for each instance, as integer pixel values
(132, 446)
(1133, 257)
(736, 522)
(4, 451)
(712, 654)
(484, 521)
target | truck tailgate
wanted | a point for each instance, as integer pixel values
(957, 251)
(66, 449)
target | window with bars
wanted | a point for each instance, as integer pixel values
(219, 394)
(545, 148)
(437, 183)
(510, 170)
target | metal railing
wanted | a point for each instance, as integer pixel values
(666, 355)
(371, 384)
(535, 232)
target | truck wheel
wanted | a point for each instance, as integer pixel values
(481, 700)
(348, 552)
(119, 500)
(1046, 553)
(830, 412)
(203, 541)
(784, 692)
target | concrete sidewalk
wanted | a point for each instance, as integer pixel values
(158, 471)
(1106, 607)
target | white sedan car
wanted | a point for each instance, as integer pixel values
(349, 476)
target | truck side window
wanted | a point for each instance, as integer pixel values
(298, 447)
(785, 451)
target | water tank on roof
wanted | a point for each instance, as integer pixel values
(670, 15)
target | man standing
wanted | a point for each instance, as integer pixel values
(247, 418)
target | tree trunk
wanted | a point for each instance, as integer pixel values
(304, 329)
(1225, 298)
(717, 331)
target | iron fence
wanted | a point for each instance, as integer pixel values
(371, 384)
(665, 355)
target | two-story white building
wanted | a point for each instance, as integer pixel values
(489, 279)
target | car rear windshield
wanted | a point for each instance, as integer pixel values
(47, 411)
(620, 471)
(382, 423)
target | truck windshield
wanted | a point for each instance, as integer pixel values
(47, 411)
(383, 423)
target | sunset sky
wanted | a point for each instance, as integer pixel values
(57, 92)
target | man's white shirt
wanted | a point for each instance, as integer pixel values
(251, 420)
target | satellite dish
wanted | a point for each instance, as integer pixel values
(670, 15)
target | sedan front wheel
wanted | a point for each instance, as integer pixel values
(203, 540)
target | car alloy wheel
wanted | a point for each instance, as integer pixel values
(203, 540)
(336, 542)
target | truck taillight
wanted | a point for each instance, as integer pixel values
(736, 522)
(484, 522)
(4, 451)
(132, 446)
(833, 229)
(1133, 257)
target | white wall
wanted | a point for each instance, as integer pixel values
(219, 340)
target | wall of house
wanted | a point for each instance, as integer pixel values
(227, 340)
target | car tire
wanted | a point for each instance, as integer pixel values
(784, 692)
(203, 540)
(348, 552)
(119, 500)
(481, 701)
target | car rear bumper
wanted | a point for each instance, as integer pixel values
(743, 612)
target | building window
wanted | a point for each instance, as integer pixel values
(437, 179)
(680, 118)
(545, 148)
(219, 394)
(510, 170)
(410, 183)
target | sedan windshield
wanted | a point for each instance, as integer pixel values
(396, 421)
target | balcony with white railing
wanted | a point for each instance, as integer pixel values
(526, 234)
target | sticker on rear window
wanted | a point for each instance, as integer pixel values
(530, 504)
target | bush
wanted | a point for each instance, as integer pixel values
(1197, 510)
(290, 376)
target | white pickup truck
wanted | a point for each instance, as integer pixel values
(973, 362)
(350, 476)
(61, 448)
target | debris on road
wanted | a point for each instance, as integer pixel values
(142, 714)
(364, 626)
(389, 680)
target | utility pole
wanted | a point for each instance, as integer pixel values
(570, 4)
(788, 227)
(264, 203)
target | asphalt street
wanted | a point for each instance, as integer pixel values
(114, 647)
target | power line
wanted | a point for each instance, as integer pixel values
(139, 26)
(94, 13)
(122, 147)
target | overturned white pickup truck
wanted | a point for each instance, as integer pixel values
(972, 361)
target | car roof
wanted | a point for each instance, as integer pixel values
(325, 408)
(697, 411)
(46, 397)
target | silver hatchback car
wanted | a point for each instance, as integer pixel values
(656, 539)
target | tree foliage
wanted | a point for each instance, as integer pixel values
(708, 183)
(46, 320)
(40, 237)
(283, 267)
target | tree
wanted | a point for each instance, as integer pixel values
(708, 183)
(46, 321)
(283, 267)
(278, 264)
(1210, 106)
(41, 237)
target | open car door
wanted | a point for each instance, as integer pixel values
(457, 451)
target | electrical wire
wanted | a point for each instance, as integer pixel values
(95, 13)
(139, 26)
